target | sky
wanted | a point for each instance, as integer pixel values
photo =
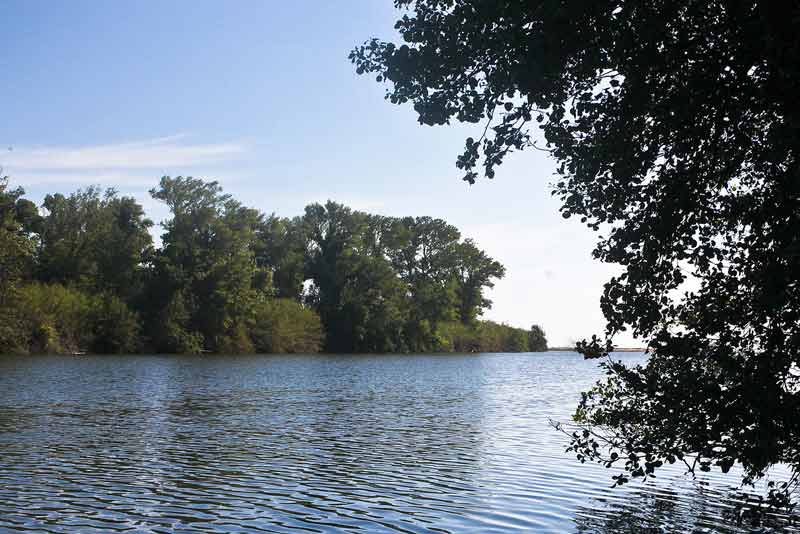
(260, 96)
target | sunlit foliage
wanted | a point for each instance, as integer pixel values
(81, 274)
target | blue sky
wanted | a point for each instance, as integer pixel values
(260, 96)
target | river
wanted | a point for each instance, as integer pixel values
(328, 443)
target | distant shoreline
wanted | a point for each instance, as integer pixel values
(206, 353)
(621, 349)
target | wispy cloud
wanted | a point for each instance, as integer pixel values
(119, 163)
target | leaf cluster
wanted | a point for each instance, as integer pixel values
(673, 128)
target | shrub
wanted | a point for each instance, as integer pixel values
(458, 337)
(116, 327)
(482, 336)
(283, 325)
(57, 319)
(236, 341)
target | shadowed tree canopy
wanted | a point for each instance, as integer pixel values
(281, 245)
(383, 284)
(674, 129)
(474, 271)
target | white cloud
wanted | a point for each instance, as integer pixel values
(83, 178)
(118, 164)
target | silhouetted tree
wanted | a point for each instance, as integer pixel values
(673, 125)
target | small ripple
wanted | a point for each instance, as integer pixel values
(319, 444)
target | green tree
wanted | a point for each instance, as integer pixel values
(280, 247)
(204, 274)
(56, 319)
(482, 336)
(672, 125)
(16, 257)
(537, 342)
(332, 230)
(285, 326)
(59, 319)
(94, 240)
(382, 284)
(169, 325)
(423, 252)
(373, 304)
(226, 279)
(354, 288)
(474, 272)
(116, 329)
(516, 340)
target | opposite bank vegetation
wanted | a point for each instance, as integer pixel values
(81, 273)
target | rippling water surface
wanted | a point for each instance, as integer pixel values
(319, 444)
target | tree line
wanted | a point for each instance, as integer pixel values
(82, 273)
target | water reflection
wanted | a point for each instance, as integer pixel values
(656, 509)
(315, 444)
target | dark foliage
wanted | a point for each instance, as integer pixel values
(674, 127)
(537, 342)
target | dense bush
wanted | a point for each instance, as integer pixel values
(115, 327)
(487, 336)
(55, 319)
(454, 336)
(283, 325)
(52, 318)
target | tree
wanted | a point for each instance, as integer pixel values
(331, 230)
(16, 257)
(373, 302)
(383, 285)
(115, 328)
(205, 272)
(227, 279)
(423, 253)
(474, 271)
(285, 326)
(280, 247)
(537, 342)
(355, 290)
(95, 241)
(673, 128)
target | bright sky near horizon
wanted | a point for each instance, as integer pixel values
(261, 96)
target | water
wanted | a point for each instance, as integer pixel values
(438, 444)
